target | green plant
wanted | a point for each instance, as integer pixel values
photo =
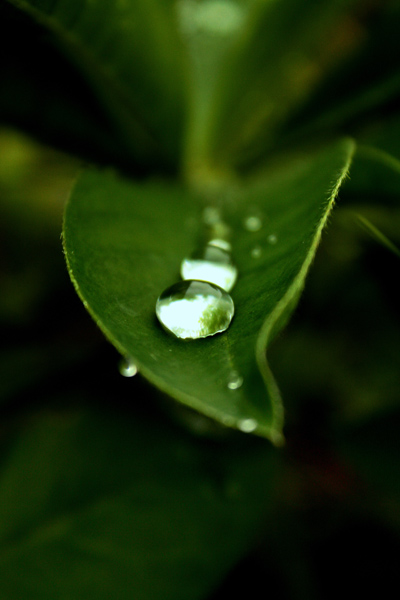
(262, 114)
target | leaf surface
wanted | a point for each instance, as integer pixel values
(131, 54)
(96, 506)
(124, 243)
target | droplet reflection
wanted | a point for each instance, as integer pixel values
(194, 309)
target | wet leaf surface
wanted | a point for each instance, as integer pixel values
(125, 241)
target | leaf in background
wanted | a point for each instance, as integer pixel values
(124, 243)
(374, 232)
(44, 95)
(95, 506)
(374, 189)
(384, 136)
(362, 91)
(131, 54)
(253, 63)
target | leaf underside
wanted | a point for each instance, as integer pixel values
(124, 243)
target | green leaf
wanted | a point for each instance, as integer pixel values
(375, 178)
(362, 89)
(124, 243)
(253, 63)
(131, 54)
(96, 506)
(45, 95)
(375, 233)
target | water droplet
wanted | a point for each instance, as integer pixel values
(223, 244)
(195, 309)
(256, 252)
(212, 219)
(212, 264)
(247, 425)
(272, 239)
(253, 223)
(127, 367)
(235, 381)
(211, 215)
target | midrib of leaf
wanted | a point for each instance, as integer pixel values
(290, 298)
(101, 77)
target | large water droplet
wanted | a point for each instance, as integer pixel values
(194, 309)
(127, 367)
(212, 264)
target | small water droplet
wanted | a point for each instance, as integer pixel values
(194, 309)
(223, 244)
(212, 264)
(253, 223)
(235, 381)
(211, 215)
(127, 367)
(272, 238)
(256, 252)
(247, 425)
